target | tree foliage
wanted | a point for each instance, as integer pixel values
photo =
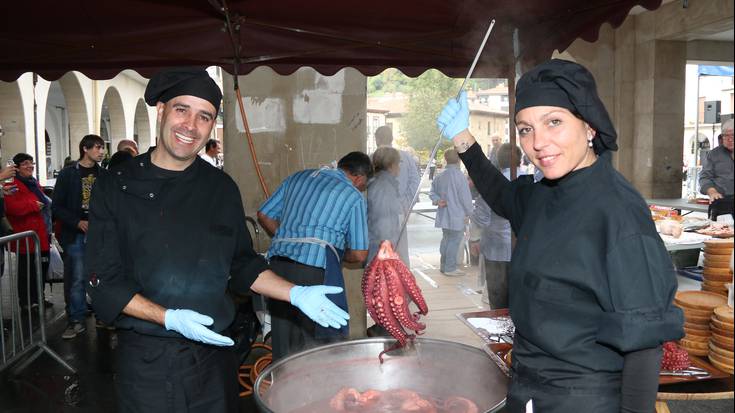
(390, 81)
(427, 95)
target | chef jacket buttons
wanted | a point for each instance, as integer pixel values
(124, 187)
(119, 172)
(141, 164)
(151, 195)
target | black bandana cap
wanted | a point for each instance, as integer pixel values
(568, 85)
(167, 84)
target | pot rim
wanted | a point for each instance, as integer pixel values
(265, 373)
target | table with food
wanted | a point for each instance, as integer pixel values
(675, 228)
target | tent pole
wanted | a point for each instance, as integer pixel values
(234, 32)
(513, 75)
(511, 125)
(695, 170)
(35, 122)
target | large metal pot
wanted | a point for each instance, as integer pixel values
(434, 368)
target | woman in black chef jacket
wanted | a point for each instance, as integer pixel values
(590, 282)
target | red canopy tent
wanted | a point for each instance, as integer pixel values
(101, 38)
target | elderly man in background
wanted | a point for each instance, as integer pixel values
(408, 177)
(128, 145)
(493, 150)
(716, 179)
(126, 149)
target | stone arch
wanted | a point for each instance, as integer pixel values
(56, 137)
(142, 126)
(12, 120)
(77, 112)
(112, 119)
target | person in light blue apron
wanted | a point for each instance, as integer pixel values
(318, 219)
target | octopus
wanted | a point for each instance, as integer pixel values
(388, 287)
(397, 401)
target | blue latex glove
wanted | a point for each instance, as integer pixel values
(455, 117)
(191, 325)
(312, 301)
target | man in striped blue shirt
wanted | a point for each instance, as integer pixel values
(317, 218)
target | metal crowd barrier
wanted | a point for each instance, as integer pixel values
(22, 341)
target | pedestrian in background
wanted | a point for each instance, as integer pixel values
(495, 238)
(26, 210)
(450, 192)
(72, 195)
(716, 178)
(384, 211)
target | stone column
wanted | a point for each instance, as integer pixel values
(658, 119)
(299, 121)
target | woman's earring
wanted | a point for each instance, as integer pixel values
(589, 142)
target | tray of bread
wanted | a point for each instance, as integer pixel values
(720, 346)
(717, 272)
(698, 307)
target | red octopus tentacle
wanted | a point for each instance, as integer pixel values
(368, 285)
(387, 317)
(413, 290)
(399, 302)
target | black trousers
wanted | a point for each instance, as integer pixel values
(598, 394)
(26, 262)
(172, 375)
(721, 206)
(496, 279)
(291, 330)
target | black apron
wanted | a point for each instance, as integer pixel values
(174, 375)
(333, 277)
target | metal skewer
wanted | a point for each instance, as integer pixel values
(441, 133)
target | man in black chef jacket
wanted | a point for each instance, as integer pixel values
(166, 239)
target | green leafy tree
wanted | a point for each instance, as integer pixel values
(427, 95)
(391, 80)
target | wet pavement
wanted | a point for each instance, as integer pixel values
(45, 386)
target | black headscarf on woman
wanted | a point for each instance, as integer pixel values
(568, 85)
